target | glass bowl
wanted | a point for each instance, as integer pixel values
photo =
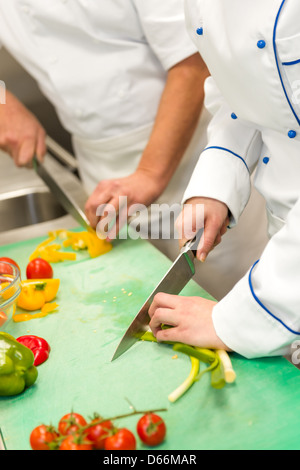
(10, 289)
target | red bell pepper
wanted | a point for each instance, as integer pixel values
(38, 346)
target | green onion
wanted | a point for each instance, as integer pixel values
(204, 355)
(229, 373)
(184, 387)
(217, 376)
(220, 366)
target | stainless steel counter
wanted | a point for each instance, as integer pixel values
(15, 179)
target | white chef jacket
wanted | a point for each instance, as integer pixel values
(103, 65)
(252, 49)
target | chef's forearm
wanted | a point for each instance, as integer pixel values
(176, 120)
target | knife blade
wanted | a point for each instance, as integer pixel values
(2, 443)
(176, 278)
(65, 186)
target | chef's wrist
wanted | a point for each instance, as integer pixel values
(155, 179)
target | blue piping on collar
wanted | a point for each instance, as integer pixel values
(263, 306)
(294, 62)
(277, 62)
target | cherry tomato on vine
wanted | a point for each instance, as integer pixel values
(39, 268)
(70, 423)
(122, 439)
(99, 432)
(75, 442)
(43, 438)
(151, 429)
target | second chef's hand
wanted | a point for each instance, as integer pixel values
(139, 188)
(21, 134)
(178, 115)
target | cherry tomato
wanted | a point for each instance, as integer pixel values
(123, 439)
(75, 442)
(39, 268)
(5, 269)
(3, 318)
(99, 432)
(70, 423)
(43, 438)
(151, 429)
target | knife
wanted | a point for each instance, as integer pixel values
(65, 186)
(2, 443)
(176, 278)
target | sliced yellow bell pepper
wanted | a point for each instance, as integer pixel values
(35, 293)
(87, 240)
(50, 251)
(46, 309)
(7, 292)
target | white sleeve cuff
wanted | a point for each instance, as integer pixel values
(223, 175)
(246, 328)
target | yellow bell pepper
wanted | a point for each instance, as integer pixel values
(45, 310)
(50, 251)
(35, 293)
(87, 240)
(7, 292)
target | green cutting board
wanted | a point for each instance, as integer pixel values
(97, 300)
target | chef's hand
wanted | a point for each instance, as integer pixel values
(21, 135)
(140, 188)
(215, 219)
(190, 319)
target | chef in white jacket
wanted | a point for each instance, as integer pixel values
(252, 49)
(126, 81)
(106, 66)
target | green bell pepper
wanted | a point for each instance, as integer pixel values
(17, 371)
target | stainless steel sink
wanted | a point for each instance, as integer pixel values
(26, 207)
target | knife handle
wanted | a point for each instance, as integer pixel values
(63, 155)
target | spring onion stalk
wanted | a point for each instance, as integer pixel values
(184, 387)
(204, 355)
(218, 377)
(229, 373)
(208, 369)
(148, 336)
(192, 377)
(219, 365)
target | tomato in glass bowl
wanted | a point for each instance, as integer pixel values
(10, 289)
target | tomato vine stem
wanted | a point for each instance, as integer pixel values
(126, 415)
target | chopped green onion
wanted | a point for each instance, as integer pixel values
(184, 387)
(229, 373)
